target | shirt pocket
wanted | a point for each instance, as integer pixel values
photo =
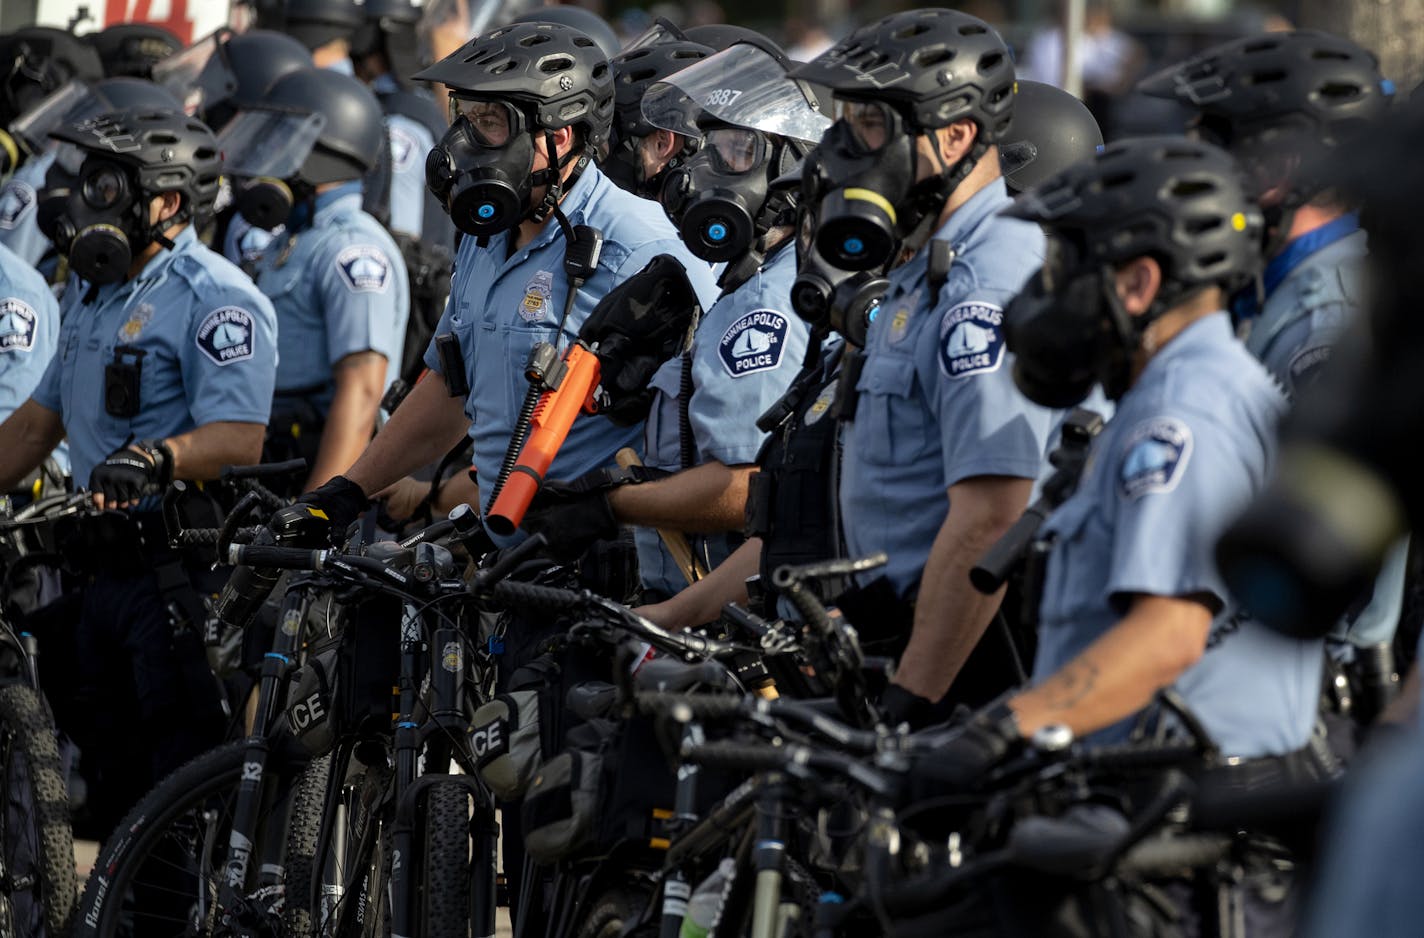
(1081, 560)
(899, 423)
(664, 439)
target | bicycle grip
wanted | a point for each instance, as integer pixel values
(532, 594)
(197, 537)
(553, 417)
(739, 756)
(275, 558)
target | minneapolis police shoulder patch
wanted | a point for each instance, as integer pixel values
(1156, 456)
(226, 335)
(14, 202)
(971, 340)
(755, 342)
(17, 325)
(364, 267)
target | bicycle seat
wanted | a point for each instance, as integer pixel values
(1075, 844)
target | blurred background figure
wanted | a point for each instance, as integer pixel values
(1110, 59)
(132, 49)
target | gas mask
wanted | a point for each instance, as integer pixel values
(1068, 331)
(719, 197)
(481, 171)
(267, 202)
(94, 214)
(865, 182)
(841, 300)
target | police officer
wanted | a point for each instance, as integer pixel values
(942, 452)
(1147, 241)
(1281, 104)
(19, 228)
(39, 61)
(164, 370)
(513, 169)
(639, 153)
(133, 49)
(29, 330)
(750, 124)
(384, 50)
(334, 276)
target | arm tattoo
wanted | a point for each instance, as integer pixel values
(1076, 681)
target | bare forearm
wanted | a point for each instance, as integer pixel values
(422, 430)
(202, 453)
(26, 437)
(702, 602)
(951, 615)
(706, 499)
(1117, 675)
(351, 419)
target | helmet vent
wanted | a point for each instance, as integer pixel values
(583, 41)
(1339, 91)
(553, 64)
(535, 39)
(1267, 77)
(990, 62)
(1330, 55)
(911, 31)
(972, 29)
(502, 67)
(1191, 188)
(932, 56)
(1201, 226)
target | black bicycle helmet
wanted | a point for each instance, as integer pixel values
(37, 60)
(634, 72)
(555, 73)
(1051, 131)
(1183, 202)
(133, 49)
(354, 130)
(169, 152)
(935, 66)
(1305, 81)
(587, 22)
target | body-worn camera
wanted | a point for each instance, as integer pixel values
(121, 382)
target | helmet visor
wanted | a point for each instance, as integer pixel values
(742, 86)
(655, 35)
(268, 142)
(199, 76)
(33, 127)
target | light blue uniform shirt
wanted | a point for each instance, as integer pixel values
(498, 309)
(339, 287)
(1192, 441)
(19, 230)
(1300, 322)
(29, 330)
(1303, 317)
(937, 402)
(410, 143)
(210, 345)
(747, 349)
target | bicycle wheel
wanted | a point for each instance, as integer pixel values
(38, 885)
(611, 913)
(327, 871)
(445, 870)
(158, 875)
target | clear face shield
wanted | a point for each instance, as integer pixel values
(199, 75)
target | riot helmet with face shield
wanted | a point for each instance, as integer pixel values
(751, 124)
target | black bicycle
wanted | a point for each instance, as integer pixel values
(38, 883)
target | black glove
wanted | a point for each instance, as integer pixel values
(898, 705)
(341, 499)
(967, 755)
(573, 523)
(131, 472)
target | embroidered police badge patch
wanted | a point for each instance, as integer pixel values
(753, 343)
(1157, 453)
(537, 294)
(1305, 365)
(14, 202)
(404, 150)
(971, 340)
(226, 335)
(138, 320)
(364, 268)
(17, 326)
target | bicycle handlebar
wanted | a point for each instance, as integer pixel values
(264, 470)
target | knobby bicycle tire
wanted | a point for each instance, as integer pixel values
(37, 839)
(146, 881)
(303, 829)
(445, 868)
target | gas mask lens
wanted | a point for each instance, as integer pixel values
(871, 123)
(491, 122)
(735, 151)
(104, 187)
